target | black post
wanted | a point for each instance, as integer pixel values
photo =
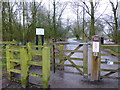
(42, 39)
(102, 40)
(36, 41)
(53, 56)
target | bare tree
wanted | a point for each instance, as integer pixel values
(58, 9)
(76, 9)
(114, 9)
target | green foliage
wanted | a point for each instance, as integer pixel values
(117, 50)
(77, 32)
(34, 16)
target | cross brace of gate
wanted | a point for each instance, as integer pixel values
(64, 57)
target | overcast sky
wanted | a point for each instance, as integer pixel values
(104, 8)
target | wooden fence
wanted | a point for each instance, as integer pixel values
(3, 50)
(19, 60)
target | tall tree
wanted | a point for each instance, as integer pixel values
(23, 22)
(92, 30)
(76, 9)
(0, 21)
(10, 21)
(83, 27)
(54, 19)
(114, 9)
(34, 11)
(90, 7)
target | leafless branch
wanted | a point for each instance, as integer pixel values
(65, 5)
(96, 4)
(108, 23)
(116, 5)
(88, 11)
(38, 5)
(102, 13)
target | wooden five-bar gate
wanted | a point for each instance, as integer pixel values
(61, 55)
(105, 67)
(110, 66)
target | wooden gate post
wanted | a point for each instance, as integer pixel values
(45, 66)
(10, 65)
(61, 57)
(24, 66)
(85, 60)
(8, 61)
(29, 51)
(95, 58)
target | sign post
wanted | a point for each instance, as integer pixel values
(42, 39)
(36, 41)
(95, 58)
(39, 31)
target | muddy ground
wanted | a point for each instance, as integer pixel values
(64, 80)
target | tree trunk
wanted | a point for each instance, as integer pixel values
(92, 31)
(78, 22)
(3, 20)
(34, 22)
(83, 35)
(116, 28)
(115, 32)
(10, 22)
(23, 39)
(54, 20)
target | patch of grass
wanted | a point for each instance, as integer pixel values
(117, 50)
(3, 63)
(40, 43)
